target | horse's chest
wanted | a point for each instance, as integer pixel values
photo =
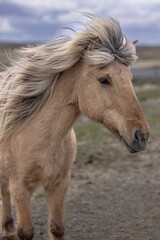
(33, 177)
(46, 167)
(48, 172)
(53, 173)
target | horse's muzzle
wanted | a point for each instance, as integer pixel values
(138, 143)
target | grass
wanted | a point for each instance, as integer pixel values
(94, 141)
(152, 113)
(148, 94)
(39, 195)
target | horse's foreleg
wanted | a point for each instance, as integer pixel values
(7, 220)
(55, 201)
(22, 199)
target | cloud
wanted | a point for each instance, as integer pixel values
(47, 5)
(35, 20)
(5, 25)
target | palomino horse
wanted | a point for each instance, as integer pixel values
(42, 94)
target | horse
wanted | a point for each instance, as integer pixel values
(42, 93)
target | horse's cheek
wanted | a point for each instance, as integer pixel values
(90, 109)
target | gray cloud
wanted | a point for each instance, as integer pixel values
(37, 20)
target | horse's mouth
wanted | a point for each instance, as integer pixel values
(130, 149)
(133, 147)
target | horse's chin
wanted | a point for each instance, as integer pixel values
(131, 149)
(128, 145)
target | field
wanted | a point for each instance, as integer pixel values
(113, 195)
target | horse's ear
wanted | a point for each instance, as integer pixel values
(93, 44)
(135, 42)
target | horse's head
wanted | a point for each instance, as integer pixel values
(106, 95)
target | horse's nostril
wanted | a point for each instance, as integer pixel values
(139, 141)
(139, 135)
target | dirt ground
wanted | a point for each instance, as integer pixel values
(111, 198)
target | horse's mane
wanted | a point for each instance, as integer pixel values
(33, 72)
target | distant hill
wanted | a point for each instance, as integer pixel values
(148, 53)
(7, 48)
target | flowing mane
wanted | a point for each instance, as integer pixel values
(34, 71)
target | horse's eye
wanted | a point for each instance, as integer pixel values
(104, 81)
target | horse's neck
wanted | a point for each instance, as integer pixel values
(60, 111)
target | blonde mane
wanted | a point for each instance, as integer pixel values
(33, 73)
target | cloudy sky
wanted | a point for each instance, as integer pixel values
(37, 20)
